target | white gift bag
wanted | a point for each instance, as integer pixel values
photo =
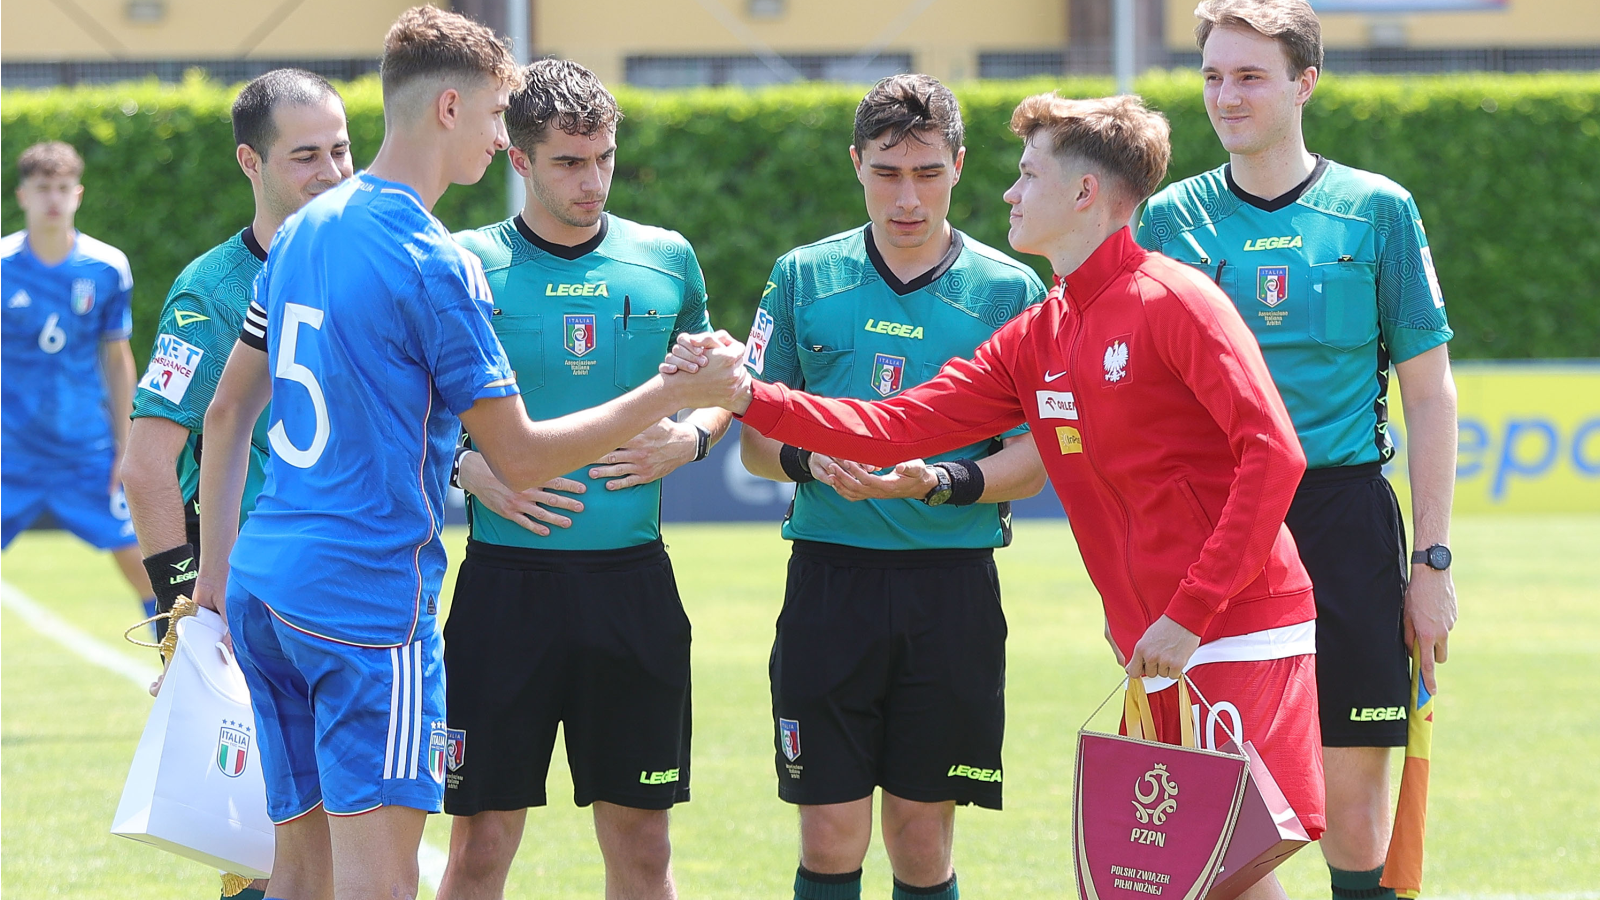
(195, 787)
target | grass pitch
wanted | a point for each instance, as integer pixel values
(1515, 794)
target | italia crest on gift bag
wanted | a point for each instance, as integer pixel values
(1272, 284)
(887, 373)
(578, 334)
(233, 750)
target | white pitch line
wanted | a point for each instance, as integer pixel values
(70, 636)
(430, 859)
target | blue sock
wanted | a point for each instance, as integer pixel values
(1359, 885)
(945, 891)
(810, 885)
(247, 894)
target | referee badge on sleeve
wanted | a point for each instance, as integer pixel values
(760, 335)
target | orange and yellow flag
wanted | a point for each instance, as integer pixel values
(1402, 871)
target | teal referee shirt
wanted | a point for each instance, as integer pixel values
(1336, 280)
(581, 326)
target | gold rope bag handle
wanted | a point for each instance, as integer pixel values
(182, 607)
(1140, 723)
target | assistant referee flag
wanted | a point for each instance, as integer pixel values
(1402, 871)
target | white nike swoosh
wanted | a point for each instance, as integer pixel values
(1048, 377)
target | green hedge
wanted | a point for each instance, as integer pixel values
(1497, 164)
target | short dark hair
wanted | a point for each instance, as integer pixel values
(253, 124)
(909, 106)
(1118, 135)
(1292, 23)
(562, 94)
(427, 41)
(50, 158)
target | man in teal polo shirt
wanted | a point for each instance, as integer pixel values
(580, 623)
(889, 664)
(1331, 268)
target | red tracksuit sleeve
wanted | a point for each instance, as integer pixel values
(970, 400)
(1212, 351)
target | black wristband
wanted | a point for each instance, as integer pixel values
(172, 573)
(455, 467)
(966, 481)
(796, 464)
(702, 443)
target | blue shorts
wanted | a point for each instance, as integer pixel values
(76, 496)
(353, 728)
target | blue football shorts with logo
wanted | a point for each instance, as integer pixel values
(1346, 523)
(889, 670)
(76, 496)
(371, 733)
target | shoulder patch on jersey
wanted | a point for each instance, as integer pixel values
(172, 366)
(1433, 278)
(760, 336)
(185, 317)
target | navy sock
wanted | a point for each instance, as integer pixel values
(810, 885)
(945, 891)
(247, 894)
(1359, 885)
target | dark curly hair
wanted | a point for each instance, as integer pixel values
(909, 106)
(559, 93)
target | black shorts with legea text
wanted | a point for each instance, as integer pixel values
(1346, 523)
(596, 640)
(889, 670)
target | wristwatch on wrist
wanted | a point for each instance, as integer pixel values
(942, 491)
(1435, 557)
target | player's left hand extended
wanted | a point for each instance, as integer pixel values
(910, 480)
(1430, 606)
(653, 454)
(1163, 651)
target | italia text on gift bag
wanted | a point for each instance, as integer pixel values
(195, 786)
(1169, 820)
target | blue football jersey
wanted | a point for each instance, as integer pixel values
(378, 336)
(53, 409)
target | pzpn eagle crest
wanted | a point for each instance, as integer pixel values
(1116, 361)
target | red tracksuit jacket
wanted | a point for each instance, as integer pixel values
(1157, 421)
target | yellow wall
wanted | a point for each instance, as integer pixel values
(1522, 23)
(944, 39)
(41, 30)
(943, 36)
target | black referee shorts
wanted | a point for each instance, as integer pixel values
(596, 640)
(1346, 522)
(889, 670)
